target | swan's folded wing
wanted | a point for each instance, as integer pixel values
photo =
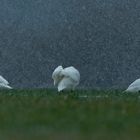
(72, 73)
(2, 80)
(4, 86)
(66, 83)
(135, 83)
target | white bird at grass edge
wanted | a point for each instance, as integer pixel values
(4, 84)
(134, 87)
(66, 78)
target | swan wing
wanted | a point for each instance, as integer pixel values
(66, 83)
(72, 73)
(4, 86)
(2, 80)
(136, 83)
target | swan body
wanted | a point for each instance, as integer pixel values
(134, 87)
(66, 78)
(4, 84)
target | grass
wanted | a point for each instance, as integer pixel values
(47, 115)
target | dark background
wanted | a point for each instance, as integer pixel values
(101, 38)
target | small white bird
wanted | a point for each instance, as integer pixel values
(134, 87)
(67, 78)
(4, 84)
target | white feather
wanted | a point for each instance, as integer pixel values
(67, 78)
(56, 75)
(2, 80)
(4, 83)
(4, 86)
(134, 87)
(72, 73)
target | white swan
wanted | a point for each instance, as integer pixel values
(4, 83)
(67, 78)
(134, 87)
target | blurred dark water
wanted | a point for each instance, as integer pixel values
(101, 38)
